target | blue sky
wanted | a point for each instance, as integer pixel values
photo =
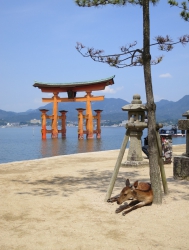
(38, 39)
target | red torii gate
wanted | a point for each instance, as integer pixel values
(72, 89)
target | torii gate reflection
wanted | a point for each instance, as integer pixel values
(72, 89)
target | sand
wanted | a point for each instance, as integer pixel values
(58, 203)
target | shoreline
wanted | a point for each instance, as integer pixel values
(58, 156)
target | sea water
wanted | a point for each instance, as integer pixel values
(25, 143)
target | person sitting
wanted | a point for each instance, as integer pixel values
(145, 147)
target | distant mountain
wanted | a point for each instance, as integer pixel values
(5, 114)
(166, 110)
(112, 110)
(19, 117)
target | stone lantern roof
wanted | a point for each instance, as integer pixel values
(186, 114)
(136, 104)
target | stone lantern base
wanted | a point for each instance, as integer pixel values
(144, 163)
(181, 168)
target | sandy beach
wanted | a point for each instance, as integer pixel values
(58, 203)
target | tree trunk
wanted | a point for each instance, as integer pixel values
(153, 150)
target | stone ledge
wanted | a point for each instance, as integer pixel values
(135, 164)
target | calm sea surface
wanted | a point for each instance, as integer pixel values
(18, 144)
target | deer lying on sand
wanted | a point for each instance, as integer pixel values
(140, 192)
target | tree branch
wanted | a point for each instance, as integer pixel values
(90, 3)
(129, 56)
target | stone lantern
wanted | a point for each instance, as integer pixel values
(181, 162)
(183, 124)
(136, 124)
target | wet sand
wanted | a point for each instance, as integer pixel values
(58, 203)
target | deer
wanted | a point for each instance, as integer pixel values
(140, 193)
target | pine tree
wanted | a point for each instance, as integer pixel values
(135, 57)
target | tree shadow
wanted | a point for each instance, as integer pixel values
(67, 185)
(179, 188)
(94, 180)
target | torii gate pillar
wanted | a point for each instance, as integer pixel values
(43, 118)
(55, 116)
(80, 123)
(89, 117)
(63, 119)
(98, 118)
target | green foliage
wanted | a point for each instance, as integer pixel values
(90, 3)
(184, 6)
(173, 3)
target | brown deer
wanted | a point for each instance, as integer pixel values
(140, 192)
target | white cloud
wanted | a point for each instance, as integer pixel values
(110, 90)
(166, 75)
